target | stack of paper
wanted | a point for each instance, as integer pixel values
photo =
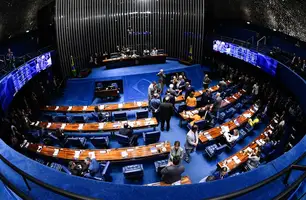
(77, 154)
(153, 150)
(39, 149)
(84, 107)
(124, 154)
(101, 125)
(57, 107)
(120, 105)
(92, 155)
(49, 124)
(139, 104)
(63, 126)
(55, 152)
(37, 123)
(101, 107)
(80, 127)
(69, 108)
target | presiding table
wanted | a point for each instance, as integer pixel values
(96, 127)
(239, 158)
(113, 63)
(184, 181)
(216, 132)
(126, 154)
(188, 115)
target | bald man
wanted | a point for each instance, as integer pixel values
(166, 112)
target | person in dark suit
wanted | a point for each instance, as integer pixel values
(166, 112)
(206, 98)
(173, 172)
(170, 96)
(126, 130)
(188, 89)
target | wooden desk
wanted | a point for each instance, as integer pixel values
(102, 108)
(113, 155)
(216, 132)
(225, 102)
(96, 127)
(184, 181)
(131, 61)
(198, 93)
(107, 93)
(241, 157)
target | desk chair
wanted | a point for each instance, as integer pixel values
(51, 139)
(104, 174)
(242, 134)
(134, 172)
(202, 124)
(79, 119)
(62, 118)
(214, 150)
(77, 142)
(142, 114)
(122, 116)
(238, 106)
(151, 137)
(179, 108)
(100, 142)
(122, 139)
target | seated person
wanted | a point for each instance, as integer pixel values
(173, 172)
(180, 83)
(267, 148)
(217, 104)
(97, 114)
(254, 160)
(173, 91)
(76, 169)
(191, 101)
(253, 122)
(220, 174)
(128, 131)
(188, 89)
(154, 52)
(232, 138)
(93, 167)
(146, 52)
(174, 81)
(176, 151)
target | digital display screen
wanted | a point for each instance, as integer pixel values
(14, 81)
(264, 62)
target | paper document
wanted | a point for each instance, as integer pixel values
(49, 124)
(57, 107)
(124, 154)
(102, 152)
(80, 126)
(91, 155)
(63, 126)
(101, 125)
(84, 107)
(120, 105)
(247, 115)
(234, 97)
(153, 150)
(139, 104)
(101, 107)
(69, 108)
(77, 154)
(55, 152)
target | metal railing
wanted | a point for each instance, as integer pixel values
(26, 177)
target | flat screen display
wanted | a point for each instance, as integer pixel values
(263, 62)
(14, 81)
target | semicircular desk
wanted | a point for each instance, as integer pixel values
(196, 191)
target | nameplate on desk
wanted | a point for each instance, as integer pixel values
(49, 124)
(201, 92)
(120, 105)
(103, 152)
(131, 124)
(101, 107)
(56, 108)
(101, 125)
(92, 154)
(55, 153)
(153, 150)
(80, 126)
(77, 154)
(139, 104)
(37, 123)
(63, 126)
(129, 150)
(84, 107)
(227, 101)
(234, 97)
(39, 149)
(252, 110)
(69, 108)
(124, 154)
(247, 115)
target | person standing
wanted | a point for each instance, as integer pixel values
(191, 143)
(173, 171)
(166, 112)
(162, 79)
(151, 90)
(155, 106)
(206, 81)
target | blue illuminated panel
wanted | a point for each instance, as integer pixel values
(264, 62)
(13, 82)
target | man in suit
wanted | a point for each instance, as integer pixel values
(166, 112)
(151, 90)
(188, 89)
(181, 83)
(170, 96)
(206, 81)
(173, 91)
(205, 98)
(173, 172)
(191, 143)
(155, 106)
(126, 130)
(93, 167)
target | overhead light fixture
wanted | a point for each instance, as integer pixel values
(27, 31)
(248, 22)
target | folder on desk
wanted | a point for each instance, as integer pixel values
(69, 108)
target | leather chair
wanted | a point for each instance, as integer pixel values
(104, 174)
(77, 142)
(215, 149)
(122, 139)
(159, 165)
(120, 116)
(100, 141)
(151, 137)
(142, 114)
(134, 172)
(51, 139)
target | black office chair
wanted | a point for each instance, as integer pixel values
(142, 114)
(100, 142)
(151, 137)
(122, 116)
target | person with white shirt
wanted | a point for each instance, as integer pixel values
(231, 138)
(154, 52)
(255, 89)
(192, 141)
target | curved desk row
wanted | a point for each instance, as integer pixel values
(241, 157)
(96, 127)
(156, 150)
(118, 107)
(184, 181)
(216, 132)
(225, 102)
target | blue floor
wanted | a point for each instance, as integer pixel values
(80, 92)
